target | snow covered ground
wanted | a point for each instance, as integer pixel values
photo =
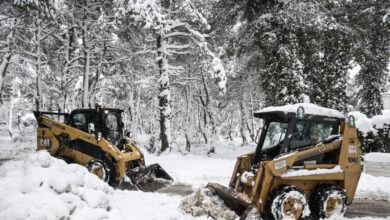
(37, 186)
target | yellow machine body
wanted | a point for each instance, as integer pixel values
(48, 140)
(246, 191)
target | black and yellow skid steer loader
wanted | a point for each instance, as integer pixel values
(95, 138)
(303, 163)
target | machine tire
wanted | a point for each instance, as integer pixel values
(101, 169)
(287, 199)
(328, 200)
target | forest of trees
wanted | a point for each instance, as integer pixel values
(193, 70)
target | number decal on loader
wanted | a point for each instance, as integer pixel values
(352, 159)
(280, 164)
(45, 143)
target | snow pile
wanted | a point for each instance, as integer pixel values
(373, 187)
(309, 108)
(204, 203)
(377, 157)
(365, 124)
(40, 187)
(305, 172)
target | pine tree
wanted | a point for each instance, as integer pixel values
(326, 50)
(372, 51)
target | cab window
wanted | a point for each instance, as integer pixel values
(112, 122)
(307, 134)
(275, 134)
(79, 120)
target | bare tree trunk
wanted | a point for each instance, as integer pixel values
(252, 130)
(87, 54)
(242, 127)
(67, 63)
(164, 96)
(7, 57)
(38, 50)
(99, 72)
(137, 112)
(3, 69)
(19, 123)
(10, 130)
(85, 99)
(131, 102)
(11, 108)
(201, 128)
(207, 112)
(188, 121)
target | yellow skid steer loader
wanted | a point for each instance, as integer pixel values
(304, 163)
(95, 138)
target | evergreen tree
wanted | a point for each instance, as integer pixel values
(327, 52)
(372, 52)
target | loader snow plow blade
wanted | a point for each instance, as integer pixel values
(148, 178)
(230, 198)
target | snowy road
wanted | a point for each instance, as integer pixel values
(369, 207)
(359, 207)
(76, 193)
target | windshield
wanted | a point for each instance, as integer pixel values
(112, 122)
(113, 127)
(275, 134)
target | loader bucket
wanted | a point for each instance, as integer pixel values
(230, 198)
(149, 178)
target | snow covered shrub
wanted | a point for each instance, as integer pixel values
(373, 133)
(378, 141)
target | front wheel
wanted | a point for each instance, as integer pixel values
(100, 169)
(328, 200)
(287, 202)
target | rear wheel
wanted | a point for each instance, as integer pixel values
(287, 202)
(100, 169)
(328, 200)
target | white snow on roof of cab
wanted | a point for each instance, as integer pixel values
(310, 109)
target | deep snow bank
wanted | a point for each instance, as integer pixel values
(39, 186)
(373, 187)
(377, 157)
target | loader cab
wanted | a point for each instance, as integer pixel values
(106, 121)
(284, 132)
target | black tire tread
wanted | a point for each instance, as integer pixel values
(106, 166)
(319, 196)
(277, 191)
